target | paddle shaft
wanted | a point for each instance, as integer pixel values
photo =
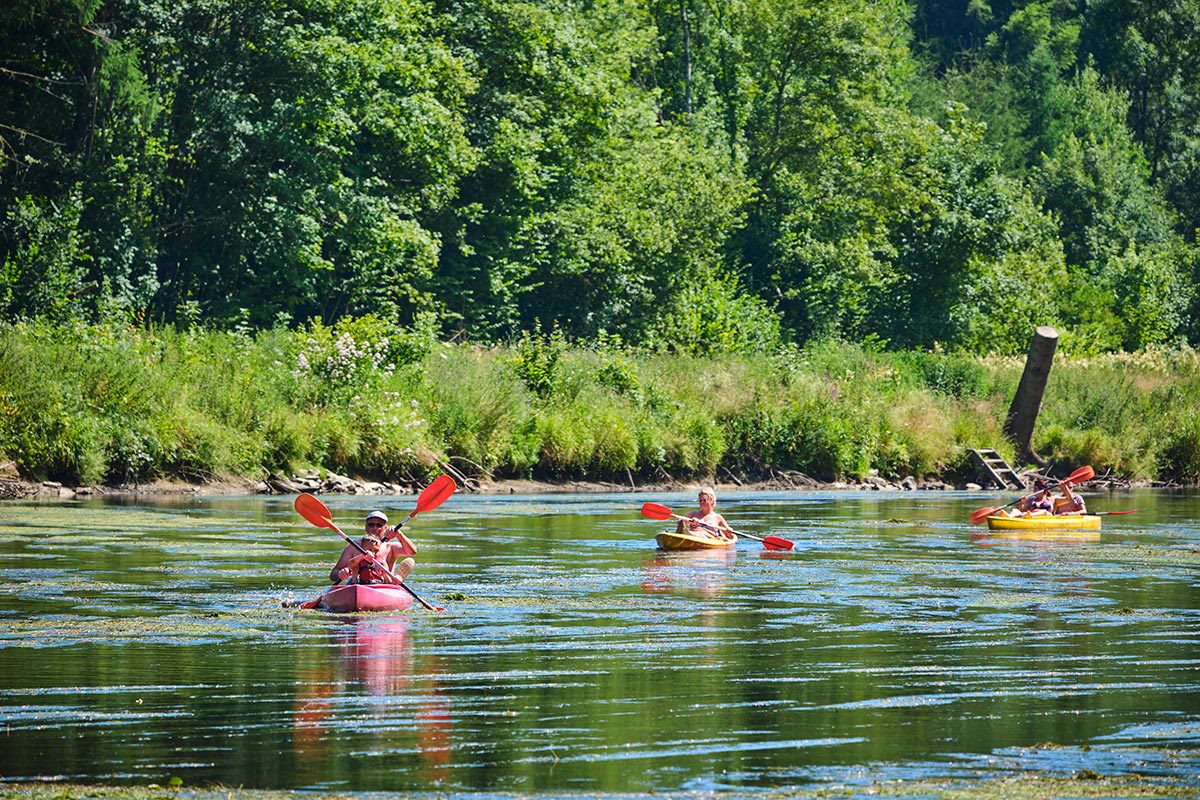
(718, 529)
(657, 511)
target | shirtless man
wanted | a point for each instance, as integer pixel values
(392, 545)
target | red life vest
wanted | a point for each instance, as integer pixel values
(371, 572)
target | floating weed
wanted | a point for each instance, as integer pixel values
(1005, 600)
(179, 628)
(1027, 786)
(1154, 556)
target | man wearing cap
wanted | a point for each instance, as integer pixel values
(392, 544)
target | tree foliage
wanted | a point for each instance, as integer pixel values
(706, 177)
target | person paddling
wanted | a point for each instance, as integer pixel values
(691, 521)
(385, 545)
(1070, 503)
(1038, 504)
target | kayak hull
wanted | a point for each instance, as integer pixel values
(692, 541)
(1079, 522)
(365, 597)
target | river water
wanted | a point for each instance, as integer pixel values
(145, 641)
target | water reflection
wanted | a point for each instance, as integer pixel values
(374, 658)
(987, 538)
(696, 573)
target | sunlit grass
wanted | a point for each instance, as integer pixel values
(96, 404)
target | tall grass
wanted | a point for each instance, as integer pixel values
(89, 404)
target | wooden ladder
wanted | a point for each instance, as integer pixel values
(996, 469)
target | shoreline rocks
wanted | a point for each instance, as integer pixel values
(325, 482)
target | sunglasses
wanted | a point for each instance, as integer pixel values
(375, 524)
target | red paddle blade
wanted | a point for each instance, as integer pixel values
(1080, 475)
(777, 543)
(980, 514)
(655, 511)
(436, 493)
(1117, 513)
(314, 511)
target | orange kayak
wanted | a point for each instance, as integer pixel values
(692, 541)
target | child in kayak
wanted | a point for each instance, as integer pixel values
(386, 545)
(691, 522)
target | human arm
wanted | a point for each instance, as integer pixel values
(395, 536)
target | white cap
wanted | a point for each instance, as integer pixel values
(377, 515)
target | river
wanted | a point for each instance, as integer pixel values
(144, 640)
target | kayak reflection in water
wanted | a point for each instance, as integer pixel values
(383, 546)
(691, 522)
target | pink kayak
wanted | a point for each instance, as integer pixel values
(363, 597)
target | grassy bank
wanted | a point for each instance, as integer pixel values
(104, 404)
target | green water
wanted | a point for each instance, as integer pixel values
(145, 641)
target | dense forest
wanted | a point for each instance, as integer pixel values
(713, 176)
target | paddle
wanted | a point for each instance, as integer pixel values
(656, 511)
(1112, 513)
(1078, 476)
(433, 496)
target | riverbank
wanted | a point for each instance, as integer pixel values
(135, 409)
(16, 489)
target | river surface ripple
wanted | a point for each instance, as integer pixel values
(143, 642)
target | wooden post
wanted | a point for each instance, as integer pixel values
(1022, 414)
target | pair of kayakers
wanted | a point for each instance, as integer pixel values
(1043, 503)
(384, 547)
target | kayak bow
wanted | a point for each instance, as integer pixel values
(692, 541)
(363, 597)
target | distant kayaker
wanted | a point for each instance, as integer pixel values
(691, 522)
(1069, 503)
(389, 545)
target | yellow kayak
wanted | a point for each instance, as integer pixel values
(1076, 522)
(692, 541)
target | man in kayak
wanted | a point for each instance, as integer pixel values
(691, 521)
(389, 544)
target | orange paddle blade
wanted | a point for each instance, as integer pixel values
(314, 511)
(436, 493)
(656, 511)
(1080, 475)
(980, 514)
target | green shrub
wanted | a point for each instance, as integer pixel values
(535, 361)
(1180, 457)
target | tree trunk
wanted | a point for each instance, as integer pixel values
(1023, 412)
